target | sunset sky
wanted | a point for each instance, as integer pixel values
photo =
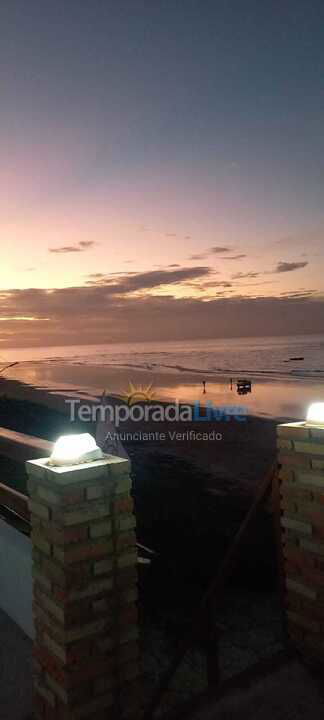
(162, 169)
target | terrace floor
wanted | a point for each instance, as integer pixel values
(287, 693)
(15, 671)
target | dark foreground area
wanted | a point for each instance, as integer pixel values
(190, 496)
(190, 500)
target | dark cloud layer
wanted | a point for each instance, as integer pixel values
(96, 313)
(119, 307)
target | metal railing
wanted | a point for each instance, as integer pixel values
(19, 447)
(204, 627)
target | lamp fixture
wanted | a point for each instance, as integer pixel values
(75, 449)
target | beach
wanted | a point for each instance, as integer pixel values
(272, 397)
(66, 379)
(190, 498)
(191, 494)
(194, 475)
(218, 445)
(203, 471)
(193, 480)
(286, 373)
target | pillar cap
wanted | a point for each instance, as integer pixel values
(300, 423)
(110, 465)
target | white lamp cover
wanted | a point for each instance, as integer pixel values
(75, 449)
(315, 414)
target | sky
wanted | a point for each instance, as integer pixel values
(162, 170)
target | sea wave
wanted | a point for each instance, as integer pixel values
(179, 369)
(251, 357)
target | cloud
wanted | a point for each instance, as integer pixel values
(242, 276)
(215, 283)
(282, 267)
(298, 294)
(259, 283)
(124, 283)
(79, 247)
(218, 249)
(156, 278)
(66, 249)
(233, 257)
(85, 244)
(289, 266)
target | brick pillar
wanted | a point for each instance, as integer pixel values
(301, 458)
(86, 658)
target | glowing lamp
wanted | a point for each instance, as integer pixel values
(315, 414)
(75, 449)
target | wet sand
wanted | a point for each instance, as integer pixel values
(286, 398)
(191, 491)
(191, 494)
(235, 462)
(232, 455)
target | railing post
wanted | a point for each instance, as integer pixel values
(86, 657)
(301, 458)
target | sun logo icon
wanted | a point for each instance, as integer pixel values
(137, 394)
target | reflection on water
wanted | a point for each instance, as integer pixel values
(287, 398)
(272, 399)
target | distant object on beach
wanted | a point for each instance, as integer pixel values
(243, 386)
(294, 358)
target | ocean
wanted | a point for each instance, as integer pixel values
(259, 357)
(281, 385)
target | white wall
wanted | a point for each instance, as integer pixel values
(16, 577)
